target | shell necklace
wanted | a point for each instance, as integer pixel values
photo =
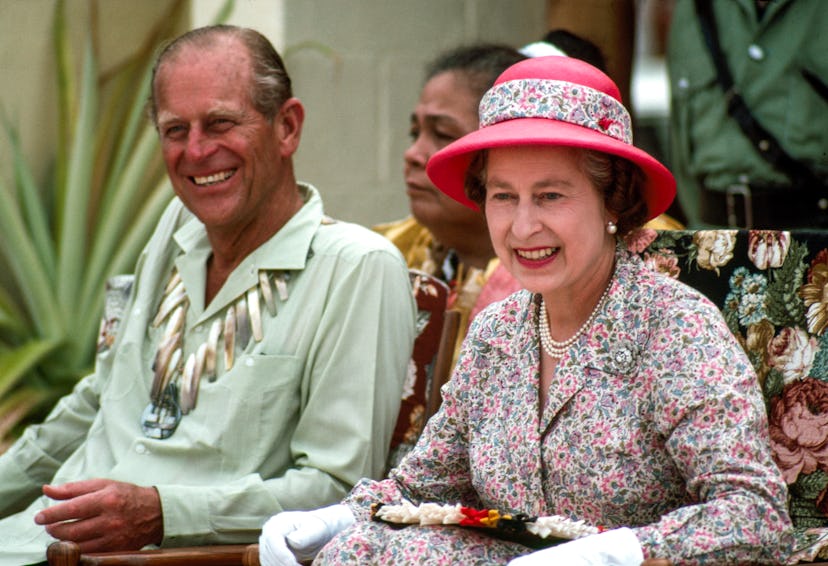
(556, 350)
(175, 382)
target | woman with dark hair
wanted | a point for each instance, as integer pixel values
(442, 237)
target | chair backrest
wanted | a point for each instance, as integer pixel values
(772, 287)
(431, 296)
(443, 361)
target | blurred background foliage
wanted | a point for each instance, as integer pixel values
(61, 238)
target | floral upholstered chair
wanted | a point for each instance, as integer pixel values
(772, 287)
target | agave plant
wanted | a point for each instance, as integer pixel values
(61, 241)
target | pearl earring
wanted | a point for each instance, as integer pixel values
(611, 227)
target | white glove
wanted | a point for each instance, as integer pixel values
(618, 547)
(298, 535)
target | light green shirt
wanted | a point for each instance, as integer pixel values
(301, 416)
(767, 58)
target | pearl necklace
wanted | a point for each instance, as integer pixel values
(556, 350)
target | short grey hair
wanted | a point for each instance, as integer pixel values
(271, 85)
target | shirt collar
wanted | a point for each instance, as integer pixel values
(287, 249)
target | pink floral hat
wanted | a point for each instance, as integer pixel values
(560, 101)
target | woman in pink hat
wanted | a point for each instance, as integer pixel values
(604, 403)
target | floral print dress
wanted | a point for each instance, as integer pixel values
(654, 420)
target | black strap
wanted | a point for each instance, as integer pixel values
(819, 87)
(763, 140)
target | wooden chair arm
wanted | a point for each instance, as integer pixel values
(251, 555)
(64, 553)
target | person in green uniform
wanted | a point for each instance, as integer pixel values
(775, 53)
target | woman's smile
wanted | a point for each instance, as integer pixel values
(535, 257)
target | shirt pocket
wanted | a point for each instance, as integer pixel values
(130, 374)
(251, 411)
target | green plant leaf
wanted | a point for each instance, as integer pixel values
(118, 215)
(65, 92)
(15, 363)
(139, 232)
(73, 223)
(132, 131)
(11, 317)
(31, 279)
(131, 243)
(34, 210)
(15, 407)
(225, 11)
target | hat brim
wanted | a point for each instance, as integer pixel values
(447, 168)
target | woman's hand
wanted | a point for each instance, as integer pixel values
(299, 535)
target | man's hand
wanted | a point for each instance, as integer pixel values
(103, 515)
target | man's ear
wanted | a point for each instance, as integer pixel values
(288, 125)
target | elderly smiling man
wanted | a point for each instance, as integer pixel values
(259, 364)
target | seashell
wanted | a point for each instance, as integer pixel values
(281, 287)
(175, 279)
(201, 355)
(172, 369)
(176, 322)
(159, 366)
(267, 292)
(172, 300)
(242, 323)
(211, 349)
(229, 337)
(186, 401)
(254, 310)
(197, 373)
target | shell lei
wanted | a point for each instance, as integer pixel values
(536, 532)
(178, 380)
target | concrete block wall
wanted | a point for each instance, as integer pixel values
(358, 67)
